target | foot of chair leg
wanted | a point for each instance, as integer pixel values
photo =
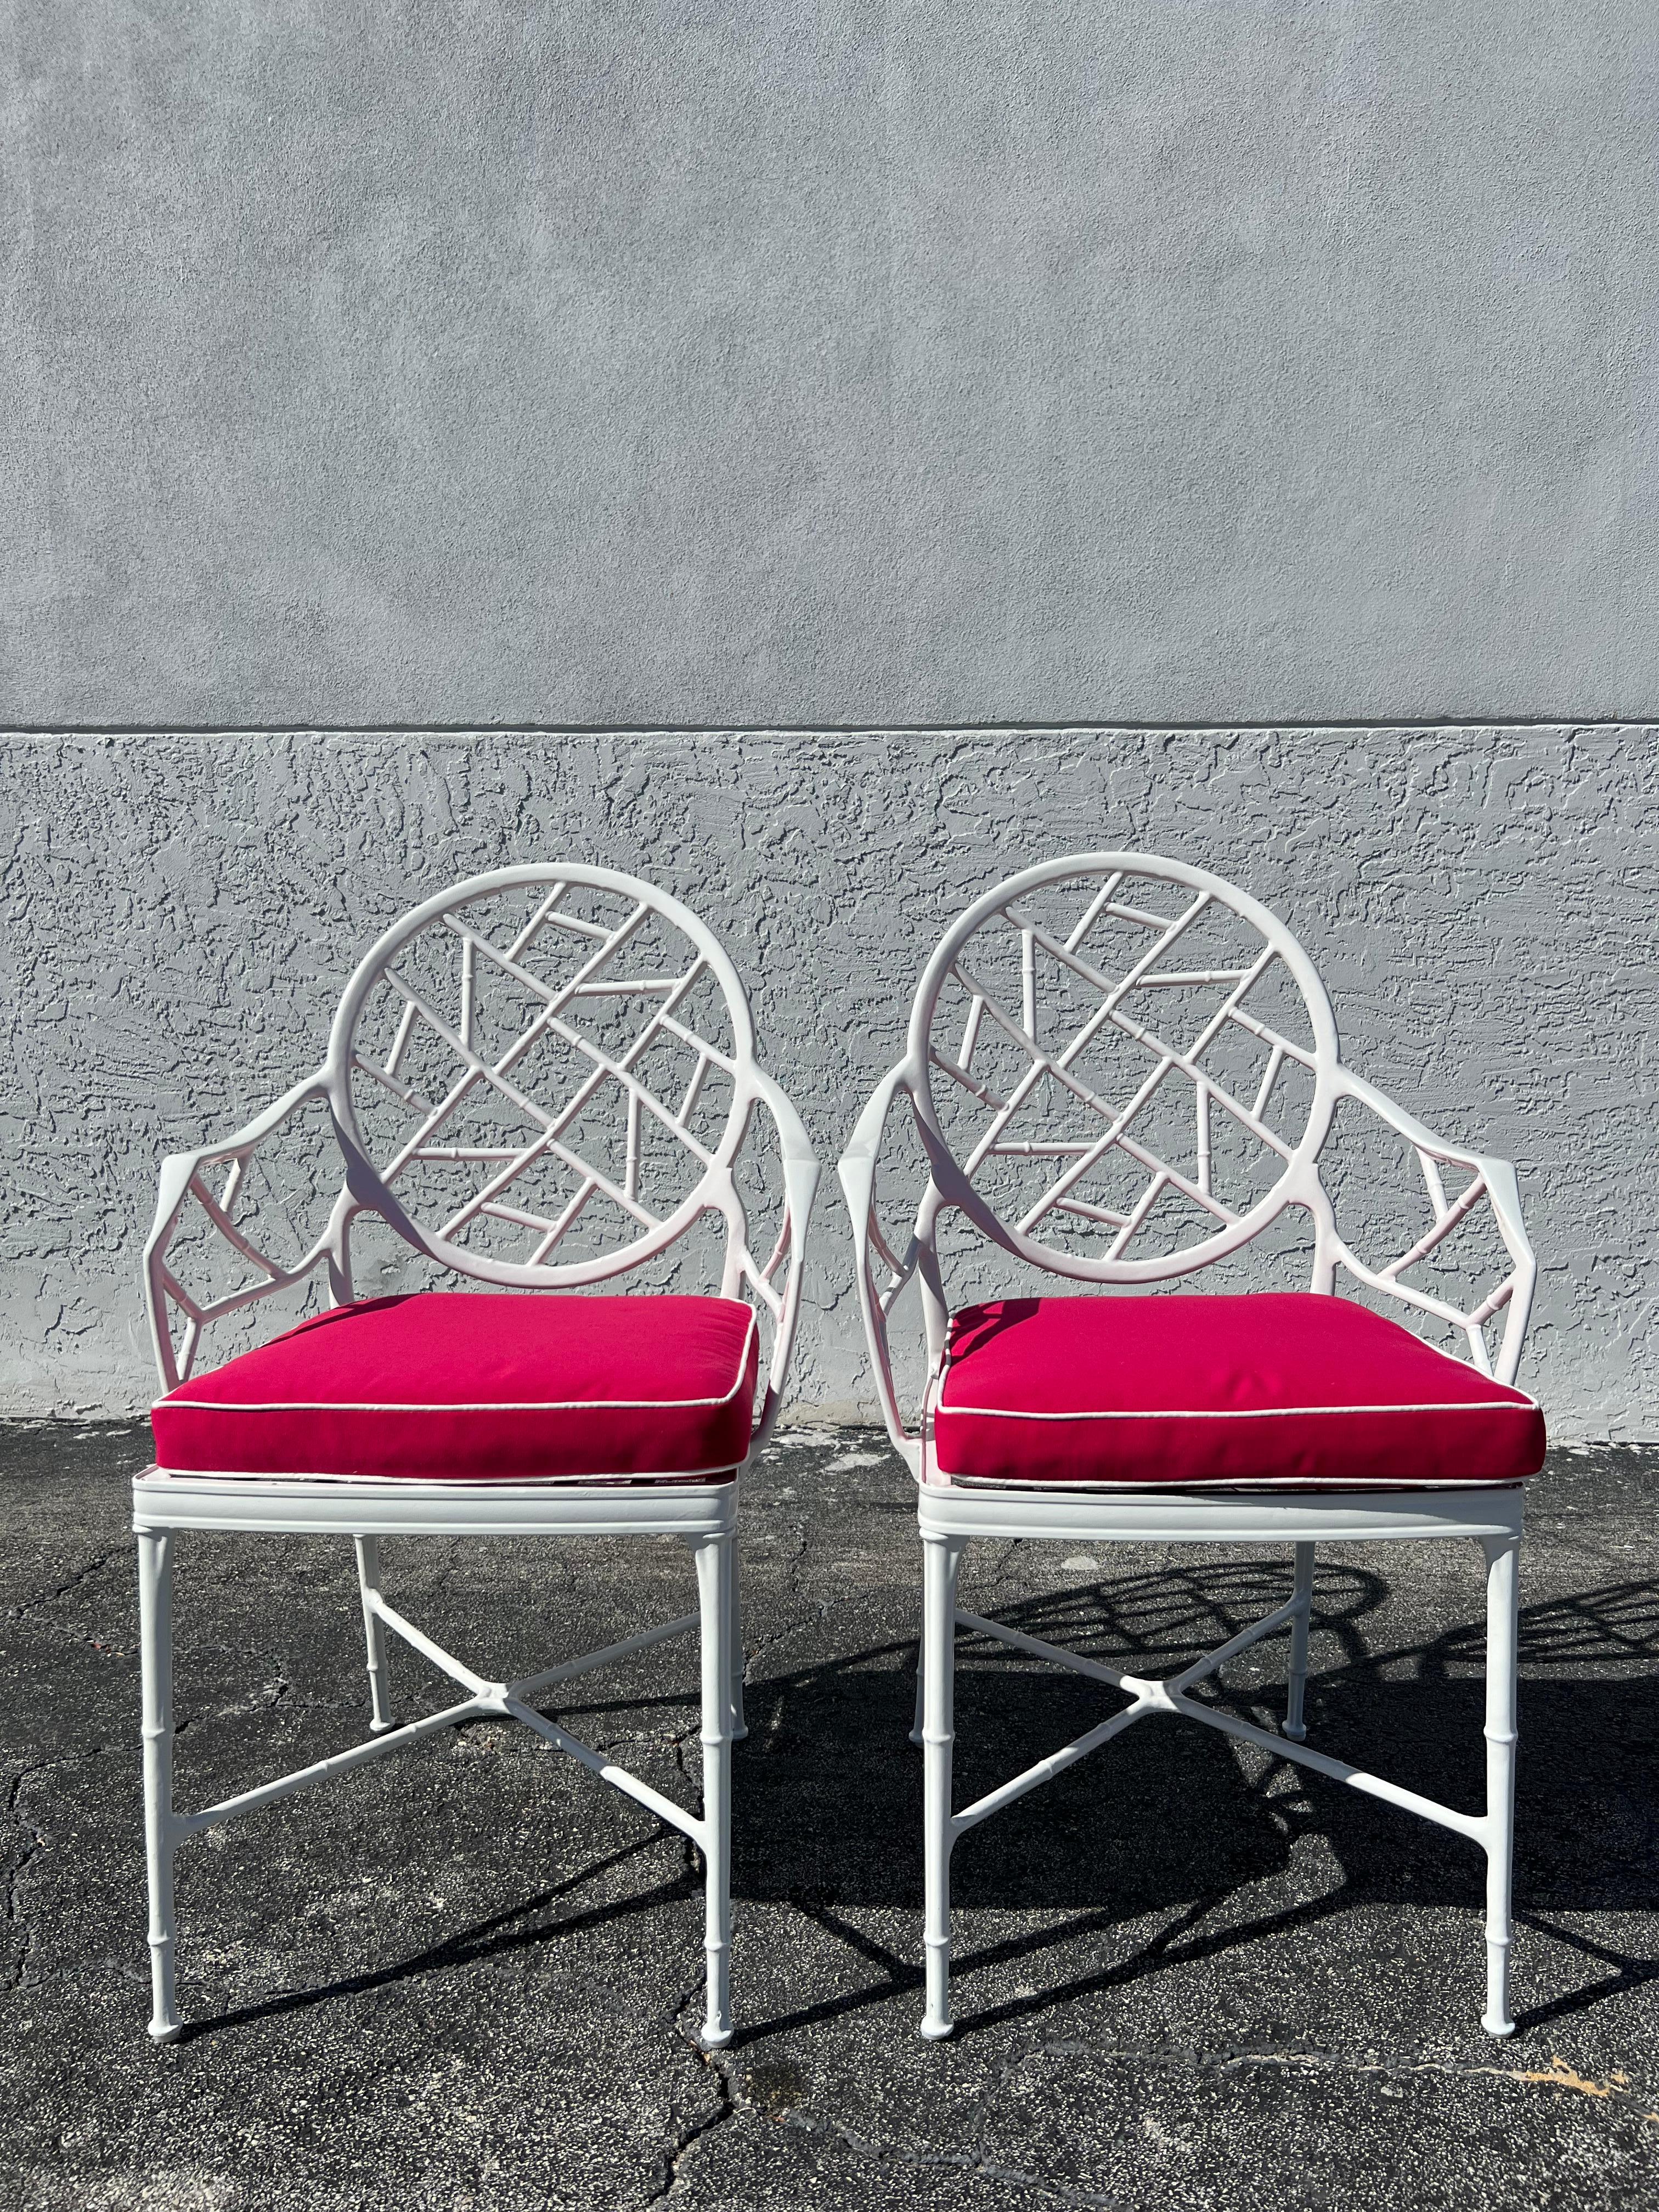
(716, 2030)
(1495, 2019)
(165, 2025)
(936, 2023)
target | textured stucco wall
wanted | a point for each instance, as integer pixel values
(180, 913)
(886, 360)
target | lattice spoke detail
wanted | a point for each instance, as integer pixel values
(489, 1120)
(1029, 1084)
(1489, 1191)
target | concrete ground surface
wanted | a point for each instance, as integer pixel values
(470, 1975)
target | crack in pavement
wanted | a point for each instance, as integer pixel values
(32, 1607)
(716, 2062)
(726, 2110)
(35, 1843)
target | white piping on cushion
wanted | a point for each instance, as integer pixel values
(461, 1484)
(1522, 1404)
(176, 1403)
(1222, 1488)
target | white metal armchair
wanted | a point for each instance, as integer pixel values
(1121, 1070)
(542, 1078)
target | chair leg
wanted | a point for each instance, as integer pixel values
(155, 1643)
(716, 1590)
(919, 1715)
(369, 1584)
(1301, 1598)
(1502, 1667)
(941, 1558)
(740, 1727)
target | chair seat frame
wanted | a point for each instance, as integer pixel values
(701, 1511)
(704, 1516)
(950, 1515)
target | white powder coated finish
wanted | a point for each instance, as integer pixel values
(551, 1101)
(1140, 984)
(1046, 1125)
(537, 1115)
(182, 912)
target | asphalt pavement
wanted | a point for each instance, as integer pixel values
(1188, 1975)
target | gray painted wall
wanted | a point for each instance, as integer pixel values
(181, 911)
(781, 363)
(795, 370)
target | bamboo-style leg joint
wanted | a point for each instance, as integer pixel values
(160, 1830)
(380, 1681)
(1503, 1669)
(716, 1591)
(941, 1563)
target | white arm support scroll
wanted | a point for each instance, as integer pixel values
(800, 1183)
(183, 1177)
(1491, 1181)
(857, 1171)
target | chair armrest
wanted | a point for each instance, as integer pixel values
(800, 1183)
(1492, 1181)
(183, 1177)
(857, 1171)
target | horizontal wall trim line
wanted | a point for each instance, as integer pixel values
(94, 729)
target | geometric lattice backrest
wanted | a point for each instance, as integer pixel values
(1123, 1066)
(542, 1075)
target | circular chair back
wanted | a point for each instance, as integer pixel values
(541, 1076)
(1122, 1066)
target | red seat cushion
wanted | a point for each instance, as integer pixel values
(459, 1385)
(1291, 1390)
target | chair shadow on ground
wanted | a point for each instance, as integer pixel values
(524, 1926)
(1167, 1819)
